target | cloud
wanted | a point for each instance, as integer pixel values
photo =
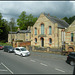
(60, 9)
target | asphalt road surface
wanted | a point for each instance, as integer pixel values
(36, 63)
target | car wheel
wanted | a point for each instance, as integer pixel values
(15, 53)
(72, 63)
(8, 51)
(21, 55)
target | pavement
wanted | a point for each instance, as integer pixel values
(48, 55)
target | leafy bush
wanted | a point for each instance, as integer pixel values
(3, 44)
(2, 41)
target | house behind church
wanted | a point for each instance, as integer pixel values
(19, 36)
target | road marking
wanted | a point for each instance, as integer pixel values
(33, 60)
(59, 70)
(43, 64)
(2, 70)
(7, 68)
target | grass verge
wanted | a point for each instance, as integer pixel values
(3, 44)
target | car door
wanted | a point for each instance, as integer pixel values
(6, 49)
(18, 51)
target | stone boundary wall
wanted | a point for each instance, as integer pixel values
(70, 48)
(48, 49)
(19, 44)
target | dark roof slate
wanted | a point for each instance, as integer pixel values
(61, 23)
(21, 31)
(12, 32)
(24, 31)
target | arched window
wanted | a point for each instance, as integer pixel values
(35, 31)
(35, 40)
(72, 37)
(50, 30)
(50, 41)
(42, 28)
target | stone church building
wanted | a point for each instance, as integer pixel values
(48, 31)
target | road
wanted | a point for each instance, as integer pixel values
(36, 63)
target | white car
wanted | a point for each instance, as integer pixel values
(22, 51)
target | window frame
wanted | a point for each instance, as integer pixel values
(35, 31)
(35, 40)
(72, 37)
(42, 29)
(50, 40)
(50, 30)
(26, 34)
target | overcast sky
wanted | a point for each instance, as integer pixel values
(59, 9)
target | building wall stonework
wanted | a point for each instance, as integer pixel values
(55, 36)
(70, 45)
(69, 30)
(19, 36)
(11, 37)
(27, 37)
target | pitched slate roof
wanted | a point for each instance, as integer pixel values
(24, 31)
(21, 31)
(12, 32)
(61, 23)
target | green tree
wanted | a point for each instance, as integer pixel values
(69, 20)
(4, 29)
(21, 21)
(12, 24)
(25, 20)
(30, 20)
(66, 19)
(1, 23)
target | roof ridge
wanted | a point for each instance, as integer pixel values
(61, 23)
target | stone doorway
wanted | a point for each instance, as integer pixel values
(42, 42)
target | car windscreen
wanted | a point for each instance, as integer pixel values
(10, 47)
(23, 49)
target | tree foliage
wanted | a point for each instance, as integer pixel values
(12, 24)
(25, 20)
(69, 20)
(4, 29)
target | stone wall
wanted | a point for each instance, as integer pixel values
(69, 48)
(19, 44)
